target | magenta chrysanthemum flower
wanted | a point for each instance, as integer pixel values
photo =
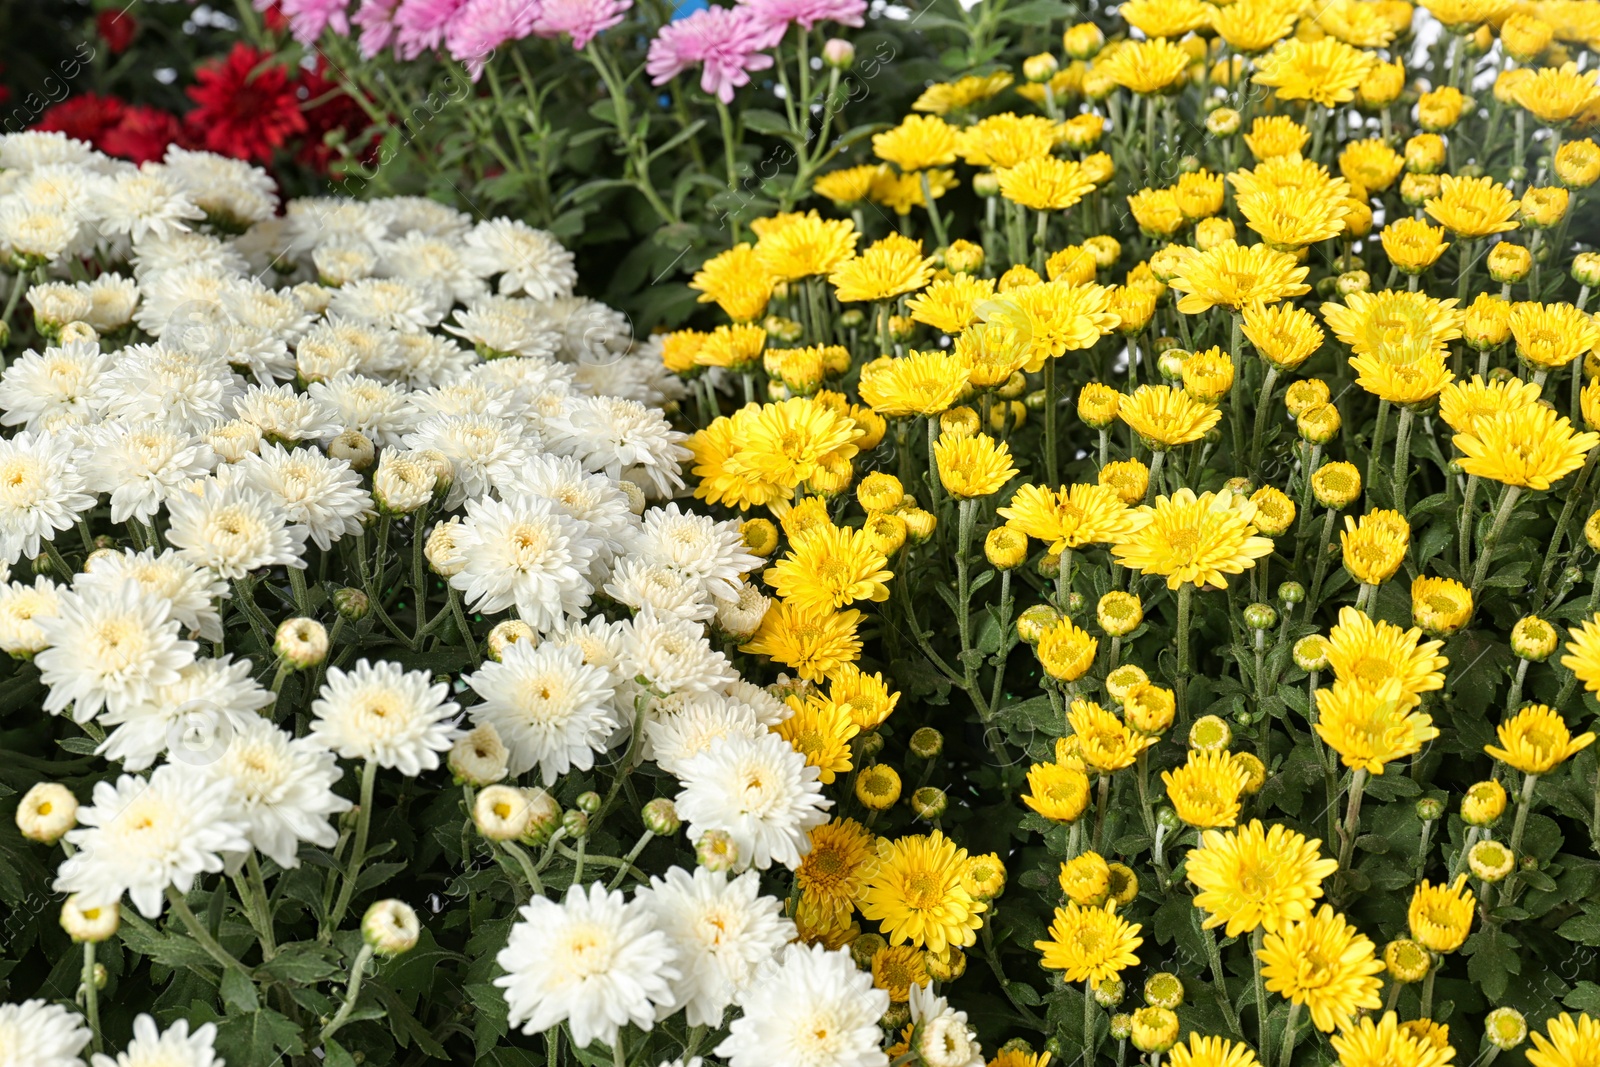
(419, 25)
(308, 18)
(375, 18)
(581, 19)
(774, 16)
(482, 26)
(726, 41)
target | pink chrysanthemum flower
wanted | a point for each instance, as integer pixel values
(483, 26)
(774, 16)
(726, 41)
(308, 18)
(581, 19)
(375, 19)
(419, 25)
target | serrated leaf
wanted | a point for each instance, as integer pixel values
(258, 1039)
(238, 991)
(302, 963)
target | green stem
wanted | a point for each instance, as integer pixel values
(1524, 806)
(201, 935)
(1288, 1035)
(91, 999)
(1262, 403)
(1352, 818)
(1185, 597)
(1464, 529)
(1508, 501)
(1402, 459)
(352, 991)
(358, 852)
(1379, 429)
(1051, 460)
(1262, 1034)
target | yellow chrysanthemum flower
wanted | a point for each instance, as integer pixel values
(1531, 447)
(921, 383)
(1006, 140)
(833, 872)
(811, 643)
(902, 192)
(723, 475)
(785, 443)
(1166, 18)
(1558, 95)
(1054, 318)
(1090, 944)
(805, 245)
(1412, 245)
(1325, 965)
(919, 142)
(1057, 791)
(1205, 790)
(828, 567)
(1275, 137)
(1252, 26)
(1468, 13)
(1583, 653)
(1202, 1051)
(1356, 23)
(1288, 218)
(1370, 164)
(1570, 1042)
(1257, 876)
(848, 186)
(1463, 404)
(888, 268)
(1387, 1043)
(866, 698)
(993, 353)
(1165, 418)
(680, 350)
(1145, 67)
(736, 282)
(1473, 207)
(820, 731)
(1283, 335)
(950, 305)
(1370, 322)
(1208, 375)
(1194, 539)
(1105, 743)
(1551, 335)
(1371, 727)
(972, 466)
(1045, 183)
(1440, 605)
(737, 347)
(1536, 741)
(1232, 275)
(962, 93)
(1440, 916)
(1409, 372)
(1325, 72)
(1070, 517)
(896, 969)
(915, 894)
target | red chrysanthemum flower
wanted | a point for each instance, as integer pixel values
(116, 28)
(247, 105)
(143, 135)
(86, 116)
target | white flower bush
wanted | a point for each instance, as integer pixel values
(338, 536)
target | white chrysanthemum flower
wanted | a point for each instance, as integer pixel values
(464, 396)
(284, 414)
(669, 591)
(712, 551)
(383, 713)
(528, 260)
(674, 655)
(524, 553)
(339, 262)
(725, 932)
(322, 220)
(422, 257)
(38, 1034)
(695, 726)
(423, 360)
(112, 299)
(591, 498)
(259, 307)
(58, 383)
(344, 346)
(140, 837)
(110, 648)
(188, 389)
(315, 297)
(404, 304)
(41, 492)
(32, 236)
(550, 708)
(29, 150)
(21, 608)
(233, 440)
(191, 593)
(592, 961)
(141, 466)
(233, 529)
(768, 708)
(760, 792)
(201, 252)
(183, 307)
(193, 719)
(405, 214)
(280, 789)
(623, 438)
(145, 202)
(616, 376)
(601, 643)
(324, 495)
(404, 481)
(484, 451)
(379, 410)
(175, 1047)
(527, 376)
(941, 1036)
(591, 332)
(231, 192)
(502, 326)
(57, 303)
(814, 1009)
(741, 618)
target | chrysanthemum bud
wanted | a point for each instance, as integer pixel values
(442, 549)
(506, 633)
(1040, 68)
(1291, 593)
(927, 743)
(1490, 860)
(1210, 733)
(1035, 620)
(929, 802)
(1577, 164)
(920, 524)
(544, 816)
(501, 813)
(1483, 803)
(1154, 1029)
(1118, 613)
(351, 604)
(716, 850)
(301, 643)
(1005, 548)
(588, 802)
(355, 448)
(1120, 680)
(1336, 485)
(635, 495)
(878, 787)
(1508, 264)
(46, 812)
(1049, 565)
(1505, 1028)
(661, 817)
(89, 923)
(1425, 153)
(1083, 40)
(946, 966)
(1407, 960)
(1544, 207)
(838, 53)
(1533, 639)
(390, 927)
(575, 823)
(1168, 820)
(1223, 122)
(1170, 364)
(478, 757)
(1353, 281)
(1163, 990)
(1311, 653)
(1260, 616)
(1255, 772)
(1430, 808)
(1320, 424)
(1109, 991)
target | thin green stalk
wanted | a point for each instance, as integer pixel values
(91, 999)
(1402, 459)
(1524, 807)
(934, 217)
(1263, 1035)
(1508, 501)
(1288, 1035)
(358, 852)
(1320, 571)
(352, 991)
(1185, 598)
(1379, 430)
(1263, 402)
(201, 935)
(1051, 459)
(1352, 818)
(1464, 529)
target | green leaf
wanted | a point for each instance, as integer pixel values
(334, 1055)
(765, 122)
(79, 746)
(238, 991)
(169, 950)
(1584, 928)
(302, 963)
(1036, 13)
(1585, 997)
(258, 1039)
